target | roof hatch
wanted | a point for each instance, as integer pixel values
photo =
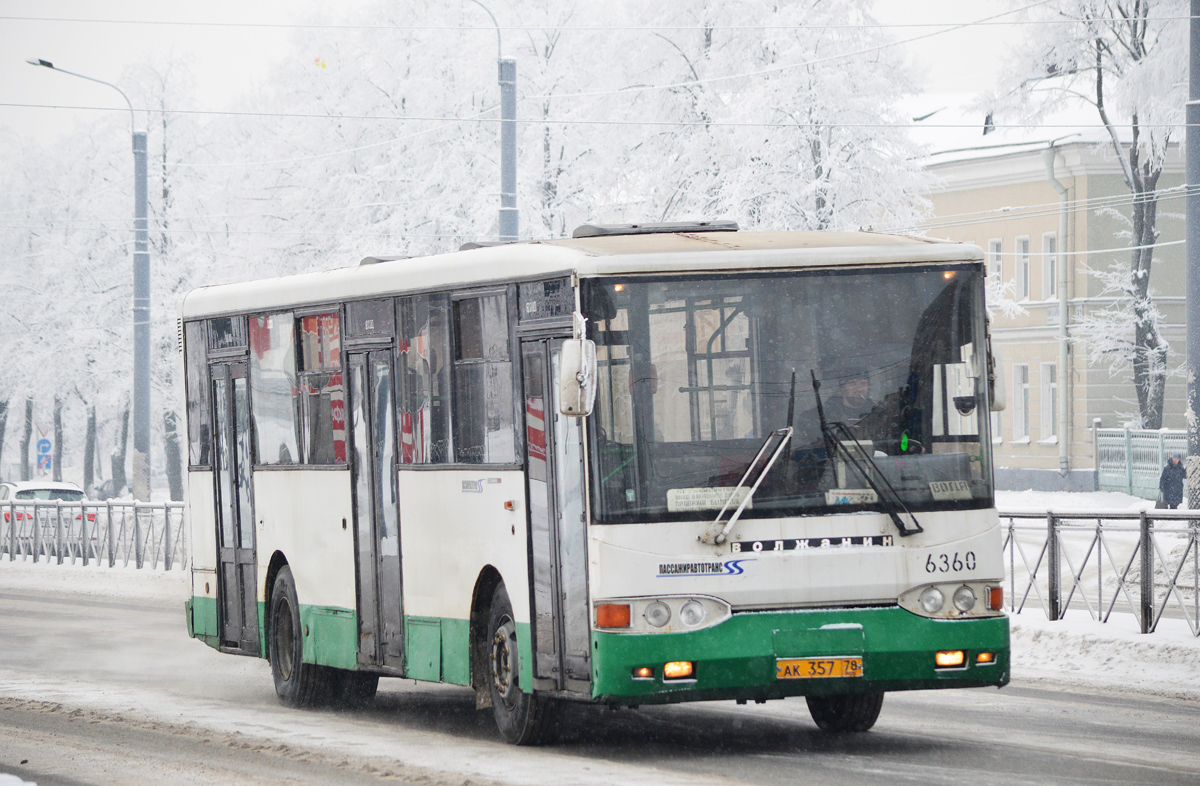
(602, 230)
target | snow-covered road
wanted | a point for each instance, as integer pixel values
(100, 684)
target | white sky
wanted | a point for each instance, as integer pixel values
(227, 58)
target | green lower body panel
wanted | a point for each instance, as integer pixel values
(437, 649)
(202, 620)
(737, 658)
(330, 636)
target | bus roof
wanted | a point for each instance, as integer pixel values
(676, 252)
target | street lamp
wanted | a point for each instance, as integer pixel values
(509, 216)
(141, 298)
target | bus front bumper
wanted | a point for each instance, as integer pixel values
(739, 658)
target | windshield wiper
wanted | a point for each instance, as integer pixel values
(717, 537)
(836, 435)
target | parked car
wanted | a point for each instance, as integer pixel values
(40, 490)
(19, 500)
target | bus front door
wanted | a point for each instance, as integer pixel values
(558, 535)
(376, 510)
(235, 509)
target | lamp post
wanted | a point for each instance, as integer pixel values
(1192, 257)
(509, 215)
(141, 297)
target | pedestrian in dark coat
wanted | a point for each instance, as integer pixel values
(1170, 483)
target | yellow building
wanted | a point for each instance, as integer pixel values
(1003, 199)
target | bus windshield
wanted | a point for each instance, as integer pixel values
(695, 373)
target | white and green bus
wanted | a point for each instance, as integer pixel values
(645, 464)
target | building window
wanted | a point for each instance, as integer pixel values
(995, 259)
(1022, 272)
(1020, 402)
(1049, 402)
(484, 430)
(272, 387)
(1050, 265)
(997, 436)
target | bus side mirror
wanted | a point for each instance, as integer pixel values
(577, 377)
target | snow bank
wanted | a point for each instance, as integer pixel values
(1112, 656)
(124, 583)
(1061, 501)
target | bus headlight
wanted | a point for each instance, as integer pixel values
(954, 600)
(692, 613)
(664, 614)
(658, 613)
(932, 600)
(964, 598)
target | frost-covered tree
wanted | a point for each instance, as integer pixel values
(382, 138)
(786, 116)
(1126, 59)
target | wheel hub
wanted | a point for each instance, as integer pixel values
(284, 640)
(503, 661)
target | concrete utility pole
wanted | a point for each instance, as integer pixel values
(509, 215)
(1192, 260)
(141, 297)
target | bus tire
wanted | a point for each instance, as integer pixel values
(298, 684)
(846, 711)
(522, 718)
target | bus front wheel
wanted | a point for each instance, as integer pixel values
(845, 712)
(523, 718)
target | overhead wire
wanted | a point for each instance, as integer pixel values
(551, 121)
(784, 66)
(1045, 209)
(945, 221)
(556, 28)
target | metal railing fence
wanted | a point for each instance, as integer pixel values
(108, 533)
(1143, 562)
(1146, 563)
(1131, 460)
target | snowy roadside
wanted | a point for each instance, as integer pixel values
(156, 587)
(1075, 651)
(1113, 656)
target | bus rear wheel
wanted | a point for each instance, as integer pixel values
(297, 683)
(523, 718)
(845, 712)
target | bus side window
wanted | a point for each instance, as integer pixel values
(322, 394)
(273, 386)
(199, 409)
(423, 348)
(484, 431)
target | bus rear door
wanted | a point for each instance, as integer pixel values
(376, 509)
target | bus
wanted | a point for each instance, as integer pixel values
(645, 464)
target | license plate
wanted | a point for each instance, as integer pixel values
(817, 668)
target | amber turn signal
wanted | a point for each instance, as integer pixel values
(643, 673)
(995, 596)
(949, 658)
(612, 615)
(985, 657)
(678, 670)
